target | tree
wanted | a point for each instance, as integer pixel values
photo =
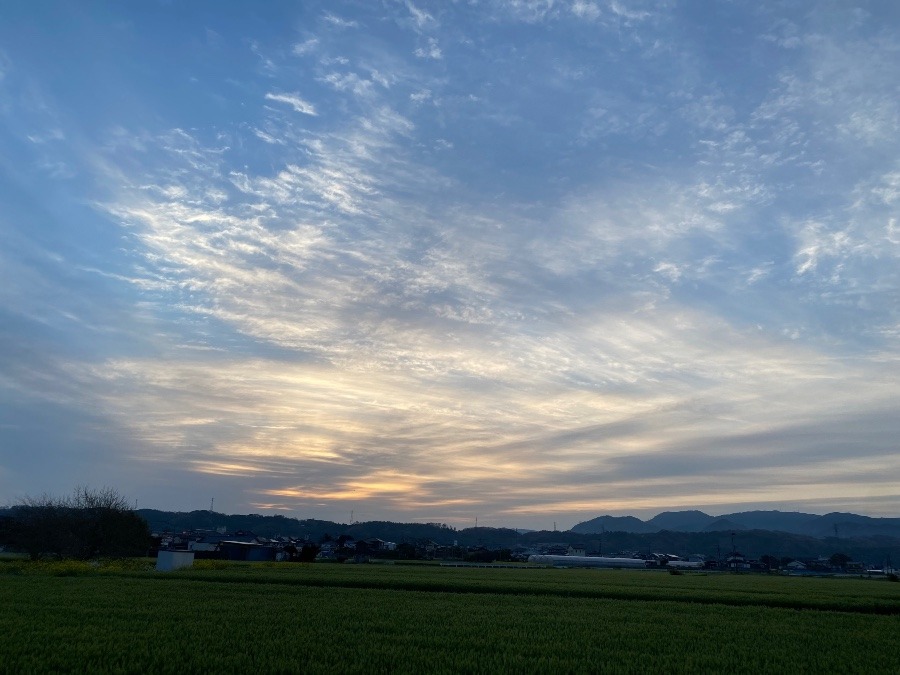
(406, 551)
(770, 561)
(91, 523)
(839, 560)
(308, 553)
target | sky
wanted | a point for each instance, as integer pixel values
(525, 261)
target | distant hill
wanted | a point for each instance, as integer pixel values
(840, 525)
(680, 521)
(782, 521)
(723, 525)
(613, 524)
(315, 530)
(829, 526)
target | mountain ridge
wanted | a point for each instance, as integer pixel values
(835, 524)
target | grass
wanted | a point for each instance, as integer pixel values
(346, 618)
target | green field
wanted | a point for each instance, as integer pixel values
(392, 618)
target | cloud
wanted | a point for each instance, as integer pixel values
(267, 138)
(294, 101)
(585, 10)
(420, 16)
(305, 47)
(339, 22)
(49, 136)
(432, 51)
(624, 12)
(527, 10)
(267, 64)
(349, 82)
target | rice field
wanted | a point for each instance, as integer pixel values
(74, 617)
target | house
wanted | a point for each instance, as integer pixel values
(737, 561)
(554, 549)
(241, 550)
(204, 546)
(375, 545)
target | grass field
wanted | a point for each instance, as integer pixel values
(392, 618)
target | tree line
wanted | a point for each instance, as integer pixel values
(90, 523)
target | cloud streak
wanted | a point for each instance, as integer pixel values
(294, 100)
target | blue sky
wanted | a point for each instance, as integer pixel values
(525, 260)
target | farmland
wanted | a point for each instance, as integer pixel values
(392, 618)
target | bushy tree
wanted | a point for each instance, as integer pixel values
(308, 553)
(770, 561)
(91, 523)
(840, 560)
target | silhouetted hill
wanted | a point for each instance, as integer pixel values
(680, 521)
(852, 525)
(315, 530)
(613, 524)
(781, 521)
(723, 525)
(875, 550)
(848, 526)
(841, 525)
(266, 526)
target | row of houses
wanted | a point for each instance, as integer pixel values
(245, 545)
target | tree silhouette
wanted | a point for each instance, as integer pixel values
(89, 524)
(839, 560)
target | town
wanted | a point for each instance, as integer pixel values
(246, 546)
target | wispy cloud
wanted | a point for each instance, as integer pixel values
(527, 10)
(293, 100)
(585, 9)
(421, 17)
(430, 51)
(625, 11)
(306, 47)
(338, 21)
